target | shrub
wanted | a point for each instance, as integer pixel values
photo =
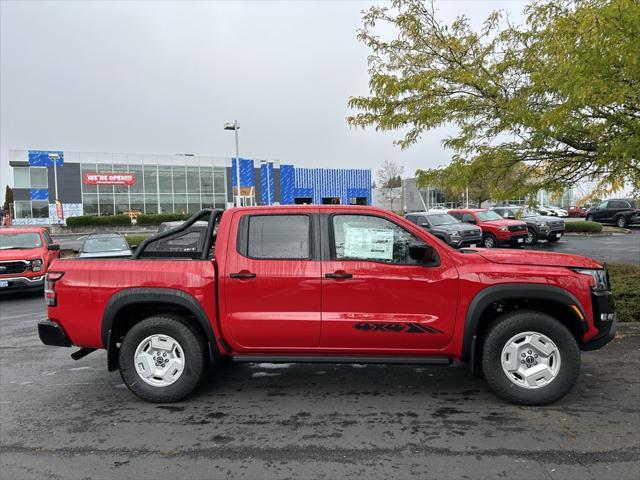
(583, 227)
(157, 219)
(625, 284)
(94, 220)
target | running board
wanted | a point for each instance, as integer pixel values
(341, 359)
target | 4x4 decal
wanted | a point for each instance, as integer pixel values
(395, 327)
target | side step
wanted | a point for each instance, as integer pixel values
(396, 360)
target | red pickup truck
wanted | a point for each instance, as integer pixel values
(496, 230)
(25, 256)
(343, 284)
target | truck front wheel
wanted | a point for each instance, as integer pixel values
(530, 358)
(162, 359)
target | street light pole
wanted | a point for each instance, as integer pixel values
(235, 126)
(54, 158)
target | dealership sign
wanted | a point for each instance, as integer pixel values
(109, 178)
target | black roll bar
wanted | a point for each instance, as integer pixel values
(213, 213)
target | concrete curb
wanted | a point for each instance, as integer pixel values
(629, 328)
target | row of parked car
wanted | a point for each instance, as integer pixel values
(499, 226)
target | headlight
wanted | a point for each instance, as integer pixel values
(503, 229)
(454, 234)
(543, 225)
(600, 277)
(36, 265)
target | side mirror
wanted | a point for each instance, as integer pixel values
(473, 220)
(422, 252)
(424, 225)
(54, 247)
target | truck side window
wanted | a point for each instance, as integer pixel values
(468, 218)
(282, 237)
(366, 237)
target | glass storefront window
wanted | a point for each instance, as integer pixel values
(40, 209)
(21, 178)
(88, 168)
(105, 189)
(206, 180)
(90, 204)
(120, 188)
(219, 179)
(150, 201)
(106, 204)
(180, 203)
(121, 203)
(179, 180)
(39, 178)
(220, 200)
(164, 180)
(137, 186)
(166, 203)
(151, 180)
(137, 202)
(193, 181)
(22, 209)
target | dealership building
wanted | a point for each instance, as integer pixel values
(90, 183)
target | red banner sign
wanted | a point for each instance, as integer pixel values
(59, 210)
(109, 178)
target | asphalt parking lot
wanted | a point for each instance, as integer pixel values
(623, 248)
(67, 419)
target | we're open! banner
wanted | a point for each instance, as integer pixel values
(109, 178)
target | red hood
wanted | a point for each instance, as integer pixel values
(529, 257)
(504, 221)
(30, 254)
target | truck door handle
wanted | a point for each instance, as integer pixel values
(338, 274)
(243, 274)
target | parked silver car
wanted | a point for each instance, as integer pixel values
(103, 245)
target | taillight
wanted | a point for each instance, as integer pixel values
(50, 287)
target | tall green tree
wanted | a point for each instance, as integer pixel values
(543, 105)
(8, 198)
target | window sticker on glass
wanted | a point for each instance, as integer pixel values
(370, 243)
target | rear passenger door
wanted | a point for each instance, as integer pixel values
(272, 282)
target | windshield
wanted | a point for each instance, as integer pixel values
(105, 244)
(19, 241)
(442, 219)
(487, 216)
(529, 213)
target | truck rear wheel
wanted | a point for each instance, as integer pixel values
(162, 359)
(530, 358)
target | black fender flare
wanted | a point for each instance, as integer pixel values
(495, 293)
(131, 296)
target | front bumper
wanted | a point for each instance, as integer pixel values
(21, 282)
(465, 242)
(51, 333)
(554, 234)
(604, 319)
(516, 239)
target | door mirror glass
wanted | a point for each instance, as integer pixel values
(53, 247)
(424, 225)
(421, 252)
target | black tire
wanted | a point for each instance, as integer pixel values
(489, 241)
(191, 343)
(589, 218)
(512, 323)
(532, 237)
(621, 222)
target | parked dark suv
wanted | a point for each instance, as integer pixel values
(621, 211)
(539, 227)
(447, 228)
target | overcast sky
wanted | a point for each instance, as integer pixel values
(147, 77)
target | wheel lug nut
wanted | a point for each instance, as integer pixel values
(523, 355)
(536, 355)
(529, 352)
(521, 361)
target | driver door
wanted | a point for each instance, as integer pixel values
(375, 296)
